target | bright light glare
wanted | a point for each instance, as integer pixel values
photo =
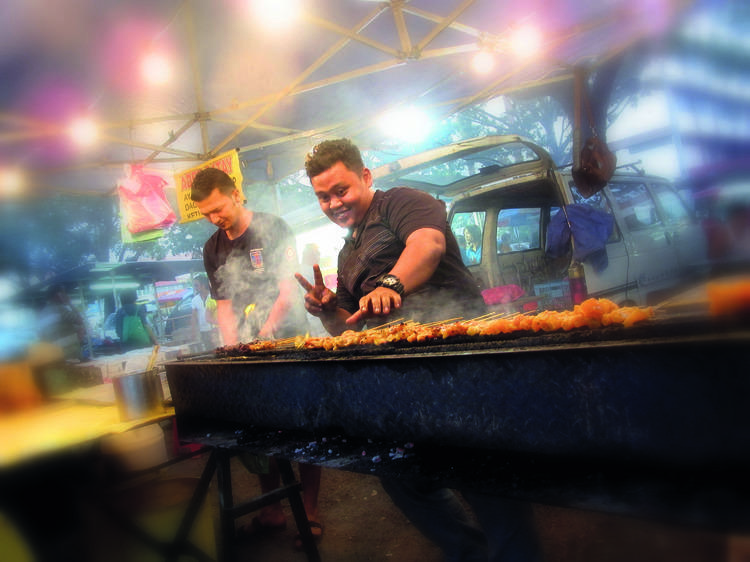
(526, 41)
(483, 62)
(155, 69)
(12, 182)
(274, 14)
(407, 124)
(83, 131)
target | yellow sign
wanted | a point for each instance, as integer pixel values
(228, 162)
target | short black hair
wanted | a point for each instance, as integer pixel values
(55, 289)
(327, 153)
(209, 179)
(128, 296)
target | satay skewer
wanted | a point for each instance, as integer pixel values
(392, 322)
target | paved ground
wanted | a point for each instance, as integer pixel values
(362, 525)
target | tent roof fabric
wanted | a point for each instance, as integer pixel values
(234, 85)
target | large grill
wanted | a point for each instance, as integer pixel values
(671, 391)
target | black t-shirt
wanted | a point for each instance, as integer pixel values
(381, 237)
(247, 271)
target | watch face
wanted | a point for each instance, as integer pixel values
(392, 282)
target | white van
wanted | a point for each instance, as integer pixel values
(507, 190)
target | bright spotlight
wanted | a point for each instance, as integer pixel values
(406, 124)
(274, 14)
(526, 41)
(155, 69)
(83, 131)
(12, 182)
(483, 62)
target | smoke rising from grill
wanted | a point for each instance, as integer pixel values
(251, 299)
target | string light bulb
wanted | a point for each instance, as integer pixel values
(83, 131)
(156, 69)
(274, 14)
(408, 124)
(12, 182)
(483, 62)
(526, 41)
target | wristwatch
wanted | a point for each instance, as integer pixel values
(391, 282)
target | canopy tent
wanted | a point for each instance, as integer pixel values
(234, 85)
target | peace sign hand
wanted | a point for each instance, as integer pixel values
(319, 299)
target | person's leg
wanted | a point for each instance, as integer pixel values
(309, 476)
(508, 526)
(272, 516)
(438, 515)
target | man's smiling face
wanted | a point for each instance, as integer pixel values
(344, 196)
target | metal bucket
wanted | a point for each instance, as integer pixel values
(139, 395)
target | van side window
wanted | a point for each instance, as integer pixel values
(518, 230)
(468, 228)
(672, 207)
(635, 205)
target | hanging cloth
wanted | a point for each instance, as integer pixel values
(591, 228)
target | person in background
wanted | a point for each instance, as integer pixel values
(61, 324)
(132, 324)
(461, 246)
(738, 227)
(202, 328)
(473, 249)
(250, 261)
(505, 243)
(401, 258)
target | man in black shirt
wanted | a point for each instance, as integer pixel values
(250, 261)
(401, 258)
(399, 251)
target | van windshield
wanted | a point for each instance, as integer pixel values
(486, 161)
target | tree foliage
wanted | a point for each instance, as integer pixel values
(45, 237)
(541, 120)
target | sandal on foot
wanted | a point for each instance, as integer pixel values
(317, 533)
(256, 528)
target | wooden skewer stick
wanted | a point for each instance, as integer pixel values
(447, 321)
(400, 320)
(484, 317)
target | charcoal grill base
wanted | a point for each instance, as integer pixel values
(666, 401)
(651, 422)
(715, 500)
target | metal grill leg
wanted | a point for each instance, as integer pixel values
(226, 503)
